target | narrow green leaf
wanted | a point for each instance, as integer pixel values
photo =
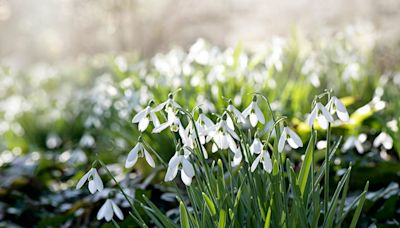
(359, 207)
(306, 166)
(268, 218)
(183, 216)
(210, 204)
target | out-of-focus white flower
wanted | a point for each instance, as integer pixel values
(139, 151)
(322, 114)
(256, 147)
(172, 121)
(87, 140)
(143, 118)
(264, 159)
(108, 210)
(385, 140)
(291, 137)
(338, 108)
(169, 102)
(254, 113)
(203, 123)
(237, 158)
(356, 142)
(95, 182)
(180, 162)
(236, 112)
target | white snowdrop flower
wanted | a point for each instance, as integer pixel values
(223, 135)
(143, 118)
(87, 140)
(356, 142)
(95, 182)
(169, 102)
(256, 147)
(172, 121)
(254, 113)
(139, 151)
(236, 112)
(385, 140)
(322, 114)
(264, 159)
(188, 139)
(338, 108)
(291, 137)
(108, 210)
(180, 162)
(203, 123)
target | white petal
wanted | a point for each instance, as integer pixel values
(102, 211)
(214, 148)
(92, 186)
(359, 147)
(186, 179)
(260, 115)
(161, 127)
(133, 156)
(349, 143)
(83, 179)
(98, 181)
(143, 124)
(172, 167)
(159, 107)
(292, 143)
(232, 133)
(267, 164)
(117, 211)
(187, 168)
(282, 139)
(253, 119)
(322, 121)
(343, 116)
(206, 120)
(148, 158)
(154, 119)
(247, 111)
(140, 115)
(312, 116)
(325, 112)
(229, 123)
(255, 163)
(237, 158)
(296, 139)
(231, 142)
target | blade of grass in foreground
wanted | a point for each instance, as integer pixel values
(306, 166)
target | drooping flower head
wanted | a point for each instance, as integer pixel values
(288, 135)
(139, 151)
(338, 108)
(321, 113)
(95, 182)
(182, 163)
(108, 210)
(143, 118)
(254, 113)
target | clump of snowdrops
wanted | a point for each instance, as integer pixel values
(234, 168)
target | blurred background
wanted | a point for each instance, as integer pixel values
(60, 30)
(74, 73)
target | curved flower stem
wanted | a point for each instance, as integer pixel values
(141, 221)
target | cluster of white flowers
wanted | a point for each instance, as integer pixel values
(109, 208)
(222, 135)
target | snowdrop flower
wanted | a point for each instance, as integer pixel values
(264, 159)
(256, 147)
(169, 102)
(339, 108)
(180, 162)
(291, 137)
(254, 113)
(236, 112)
(172, 121)
(139, 151)
(95, 182)
(356, 142)
(322, 114)
(143, 118)
(383, 139)
(223, 135)
(203, 123)
(107, 211)
(188, 139)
